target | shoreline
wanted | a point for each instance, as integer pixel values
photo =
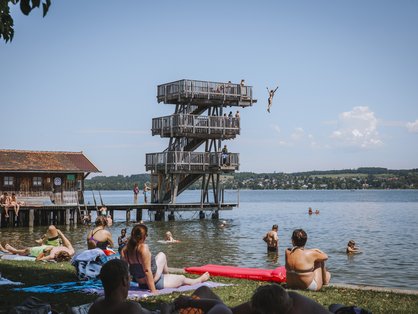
(340, 285)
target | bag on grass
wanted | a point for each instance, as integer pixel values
(32, 305)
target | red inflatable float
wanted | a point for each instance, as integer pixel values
(276, 275)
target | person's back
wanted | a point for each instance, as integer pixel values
(305, 268)
(116, 282)
(272, 239)
(99, 237)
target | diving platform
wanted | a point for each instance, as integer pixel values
(196, 126)
(204, 93)
(191, 162)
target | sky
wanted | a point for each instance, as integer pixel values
(84, 78)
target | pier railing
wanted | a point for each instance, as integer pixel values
(196, 126)
(191, 161)
(203, 91)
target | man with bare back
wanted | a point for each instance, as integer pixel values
(272, 239)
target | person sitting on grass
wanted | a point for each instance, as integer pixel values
(151, 272)
(46, 252)
(305, 268)
(267, 299)
(116, 282)
(51, 237)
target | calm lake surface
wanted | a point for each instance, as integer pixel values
(384, 224)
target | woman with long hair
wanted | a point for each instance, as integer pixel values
(151, 272)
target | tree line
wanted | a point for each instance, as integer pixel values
(361, 178)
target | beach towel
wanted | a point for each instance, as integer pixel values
(95, 287)
(4, 282)
(12, 257)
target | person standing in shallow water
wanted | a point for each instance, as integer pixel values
(272, 239)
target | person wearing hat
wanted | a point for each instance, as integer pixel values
(50, 238)
(272, 239)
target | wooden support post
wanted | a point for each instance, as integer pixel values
(128, 215)
(31, 217)
(138, 215)
(201, 215)
(171, 216)
(76, 219)
(67, 216)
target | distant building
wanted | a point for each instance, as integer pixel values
(43, 176)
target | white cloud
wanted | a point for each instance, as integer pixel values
(358, 127)
(297, 134)
(276, 128)
(412, 126)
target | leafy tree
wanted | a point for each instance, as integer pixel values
(26, 6)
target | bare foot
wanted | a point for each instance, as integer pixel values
(8, 246)
(204, 277)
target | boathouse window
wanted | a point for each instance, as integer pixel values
(8, 181)
(37, 181)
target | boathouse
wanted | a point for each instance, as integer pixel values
(43, 179)
(196, 132)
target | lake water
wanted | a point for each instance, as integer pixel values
(383, 223)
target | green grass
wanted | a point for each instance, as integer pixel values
(43, 273)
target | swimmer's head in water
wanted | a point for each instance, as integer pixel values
(351, 243)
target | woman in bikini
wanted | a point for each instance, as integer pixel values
(305, 268)
(60, 253)
(99, 237)
(151, 272)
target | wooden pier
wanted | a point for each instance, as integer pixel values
(44, 215)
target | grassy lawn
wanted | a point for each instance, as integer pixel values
(32, 273)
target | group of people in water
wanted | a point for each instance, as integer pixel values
(305, 269)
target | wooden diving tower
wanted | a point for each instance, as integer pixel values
(196, 130)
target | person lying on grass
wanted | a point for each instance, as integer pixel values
(46, 252)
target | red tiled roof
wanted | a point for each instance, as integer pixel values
(42, 161)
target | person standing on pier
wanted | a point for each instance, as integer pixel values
(146, 189)
(136, 192)
(272, 239)
(224, 155)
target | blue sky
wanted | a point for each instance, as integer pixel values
(84, 78)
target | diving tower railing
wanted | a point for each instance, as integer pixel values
(196, 126)
(191, 162)
(201, 92)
